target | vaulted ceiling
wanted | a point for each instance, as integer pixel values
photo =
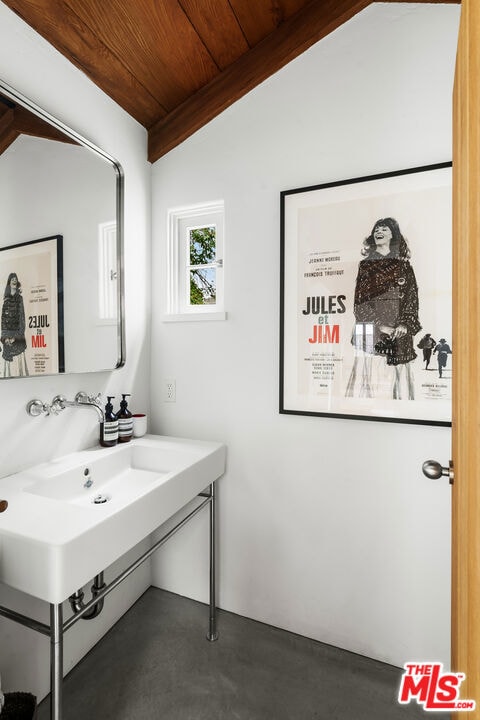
(176, 64)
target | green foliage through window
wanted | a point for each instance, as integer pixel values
(202, 252)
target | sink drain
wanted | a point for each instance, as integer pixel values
(100, 499)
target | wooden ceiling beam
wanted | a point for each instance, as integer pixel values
(314, 22)
(7, 137)
(27, 123)
(17, 120)
(293, 37)
(88, 40)
(7, 119)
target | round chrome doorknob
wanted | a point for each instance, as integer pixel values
(433, 470)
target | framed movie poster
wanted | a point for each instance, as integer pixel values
(31, 277)
(366, 317)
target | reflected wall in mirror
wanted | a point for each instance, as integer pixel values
(55, 183)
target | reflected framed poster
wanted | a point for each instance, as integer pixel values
(366, 315)
(31, 276)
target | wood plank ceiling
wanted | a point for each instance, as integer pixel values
(176, 64)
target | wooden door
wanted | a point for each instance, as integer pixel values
(466, 359)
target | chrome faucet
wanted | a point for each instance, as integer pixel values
(59, 403)
(82, 400)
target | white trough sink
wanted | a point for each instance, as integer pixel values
(69, 519)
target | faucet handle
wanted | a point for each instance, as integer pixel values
(37, 407)
(58, 404)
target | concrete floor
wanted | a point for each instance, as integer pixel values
(155, 664)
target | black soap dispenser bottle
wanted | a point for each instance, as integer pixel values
(109, 427)
(125, 421)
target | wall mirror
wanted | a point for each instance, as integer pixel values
(61, 247)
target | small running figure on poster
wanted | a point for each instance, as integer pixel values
(443, 351)
(427, 344)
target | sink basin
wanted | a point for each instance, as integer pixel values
(122, 476)
(69, 519)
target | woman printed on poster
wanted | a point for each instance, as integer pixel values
(13, 326)
(386, 312)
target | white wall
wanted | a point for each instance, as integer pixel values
(35, 69)
(327, 526)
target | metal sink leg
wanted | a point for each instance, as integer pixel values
(56, 661)
(212, 630)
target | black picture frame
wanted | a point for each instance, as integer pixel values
(339, 357)
(32, 324)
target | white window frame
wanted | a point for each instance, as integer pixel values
(107, 273)
(180, 221)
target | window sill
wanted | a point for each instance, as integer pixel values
(195, 317)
